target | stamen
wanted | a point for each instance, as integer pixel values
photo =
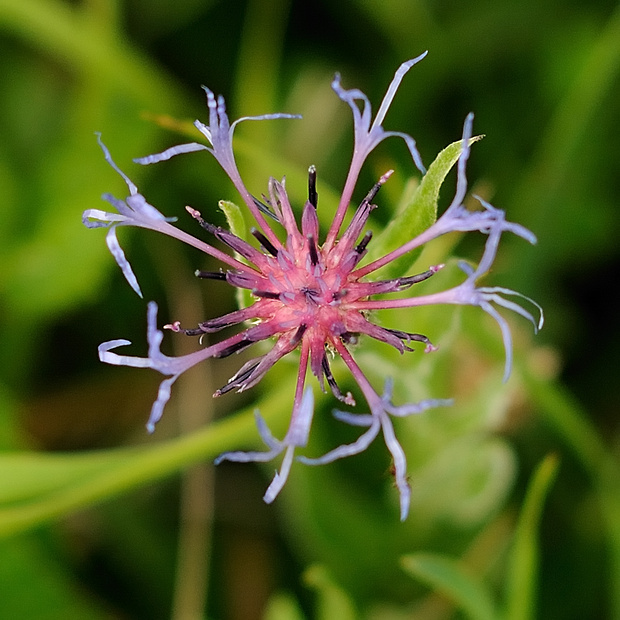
(198, 217)
(314, 255)
(336, 391)
(215, 325)
(227, 320)
(408, 281)
(377, 186)
(210, 275)
(350, 337)
(264, 242)
(361, 246)
(263, 208)
(409, 337)
(234, 348)
(197, 331)
(266, 294)
(313, 197)
(239, 378)
(225, 236)
(298, 335)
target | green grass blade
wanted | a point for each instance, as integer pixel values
(37, 488)
(523, 566)
(448, 576)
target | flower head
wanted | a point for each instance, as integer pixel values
(310, 295)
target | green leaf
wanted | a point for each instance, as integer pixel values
(333, 601)
(234, 217)
(38, 487)
(34, 474)
(237, 225)
(419, 213)
(523, 566)
(450, 578)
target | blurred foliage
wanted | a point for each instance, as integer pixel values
(93, 522)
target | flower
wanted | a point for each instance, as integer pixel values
(310, 296)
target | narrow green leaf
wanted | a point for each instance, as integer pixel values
(234, 217)
(450, 578)
(523, 566)
(333, 601)
(52, 485)
(34, 474)
(420, 212)
(237, 225)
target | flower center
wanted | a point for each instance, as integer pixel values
(310, 294)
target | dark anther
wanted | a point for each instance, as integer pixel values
(234, 348)
(313, 197)
(336, 391)
(263, 208)
(349, 337)
(420, 277)
(233, 242)
(409, 337)
(210, 275)
(215, 325)
(377, 186)
(314, 255)
(196, 215)
(197, 331)
(361, 246)
(298, 335)
(223, 235)
(258, 235)
(240, 378)
(339, 294)
(266, 294)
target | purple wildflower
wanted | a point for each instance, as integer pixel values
(311, 296)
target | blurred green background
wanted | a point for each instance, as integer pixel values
(516, 488)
